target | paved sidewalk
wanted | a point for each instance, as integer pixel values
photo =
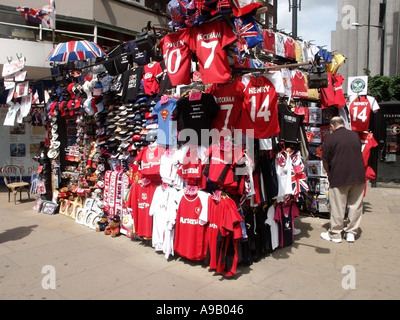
(91, 265)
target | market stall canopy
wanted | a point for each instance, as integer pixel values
(75, 50)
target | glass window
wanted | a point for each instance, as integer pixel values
(19, 32)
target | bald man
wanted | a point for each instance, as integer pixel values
(343, 161)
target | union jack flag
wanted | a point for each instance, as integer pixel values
(178, 12)
(299, 183)
(248, 31)
(44, 16)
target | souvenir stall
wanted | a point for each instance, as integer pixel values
(199, 140)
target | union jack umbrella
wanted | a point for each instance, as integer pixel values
(75, 50)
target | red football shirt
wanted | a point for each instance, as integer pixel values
(269, 41)
(290, 48)
(360, 108)
(260, 108)
(150, 159)
(221, 165)
(209, 41)
(328, 94)
(222, 230)
(177, 56)
(190, 166)
(299, 87)
(190, 229)
(340, 99)
(368, 142)
(140, 198)
(150, 83)
(230, 100)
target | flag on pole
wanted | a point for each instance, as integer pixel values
(45, 16)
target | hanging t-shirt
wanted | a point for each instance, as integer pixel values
(299, 87)
(164, 80)
(280, 39)
(277, 80)
(118, 61)
(167, 132)
(151, 72)
(229, 99)
(220, 167)
(209, 41)
(140, 198)
(290, 48)
(223, 234)
(269, 41)
(274, 227)
(285, 213)
(139, 57)
(328, 94)
(260, 108)
(131, 84)
(309, 51)
(368, 142)
(289, 123)
(299, 51)
(150, 159)
(190, 229)
(169, 164)
(162, 206)
(360, 108)
(177, 56)
(190, 165)
(195, 115)
(340, 99)
(283, 167)
(268, 181)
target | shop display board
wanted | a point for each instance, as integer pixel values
(20, 143)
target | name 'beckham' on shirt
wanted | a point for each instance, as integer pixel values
(208, 36)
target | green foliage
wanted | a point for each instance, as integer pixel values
(378, 87)
(383, 88)
(395, 88)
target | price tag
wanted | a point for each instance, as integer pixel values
(164, 99)
(194, 96)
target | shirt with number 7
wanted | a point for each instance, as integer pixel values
(209, 41)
